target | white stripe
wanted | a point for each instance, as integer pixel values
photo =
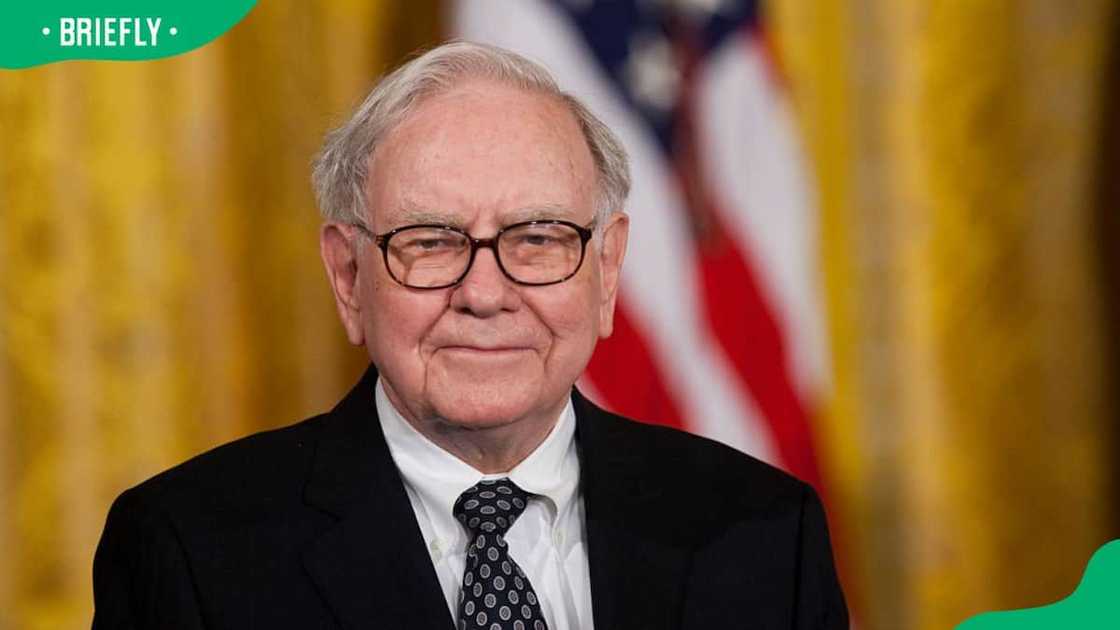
(659, 276)
(749, 141)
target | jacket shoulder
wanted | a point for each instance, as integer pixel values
(247, 474)
(697, 459)
(714, 483)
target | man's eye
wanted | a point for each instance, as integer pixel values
(537, 240)
(430, 244)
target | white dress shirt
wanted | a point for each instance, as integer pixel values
(547, 541)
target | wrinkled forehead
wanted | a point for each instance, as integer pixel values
(483, 150)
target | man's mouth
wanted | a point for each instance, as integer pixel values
(484, 349)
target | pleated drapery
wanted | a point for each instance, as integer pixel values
(971, 432)
(160, 284)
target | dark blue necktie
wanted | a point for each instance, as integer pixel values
(496, 593)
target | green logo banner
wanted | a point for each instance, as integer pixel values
(35, 32)
(1092, 605)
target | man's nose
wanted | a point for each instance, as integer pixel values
(485, 291)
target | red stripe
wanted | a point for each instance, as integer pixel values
(627, 376)
(745, 328)
(775, 71)
(732, 300)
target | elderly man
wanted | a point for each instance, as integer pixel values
(473, 238)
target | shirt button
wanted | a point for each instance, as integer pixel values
(558, 538)
(437, 552)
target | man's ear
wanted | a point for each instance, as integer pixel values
(612, 250)
(335, 246)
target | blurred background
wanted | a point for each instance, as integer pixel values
(875, 242)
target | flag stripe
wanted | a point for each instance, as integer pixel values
(627, 377)
(744, 320)
(732, 301)
(755, 164)
(748, 334)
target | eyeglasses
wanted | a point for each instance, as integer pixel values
(533, 253)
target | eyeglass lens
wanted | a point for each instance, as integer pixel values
(542, 253)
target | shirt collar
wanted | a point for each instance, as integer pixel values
(551, 470)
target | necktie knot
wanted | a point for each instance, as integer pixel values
(490, 506)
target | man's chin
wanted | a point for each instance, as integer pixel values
(464, 395)
(482, 409)
(484, 402)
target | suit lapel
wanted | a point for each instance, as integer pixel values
(371, 567)
(637, 566)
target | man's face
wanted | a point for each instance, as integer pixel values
(486, 352)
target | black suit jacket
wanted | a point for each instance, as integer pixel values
(309, 526)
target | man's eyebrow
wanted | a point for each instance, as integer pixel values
(537, 213)
(416, 216)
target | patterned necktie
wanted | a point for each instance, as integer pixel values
(496, 593)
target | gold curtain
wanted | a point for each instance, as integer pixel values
(160, 291)
(970, 431)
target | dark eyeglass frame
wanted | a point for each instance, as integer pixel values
(382, 243)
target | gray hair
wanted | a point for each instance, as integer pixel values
(342, 166)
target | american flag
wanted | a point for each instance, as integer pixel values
(718, 329)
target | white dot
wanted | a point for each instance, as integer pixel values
(46, 30)
(173, 31)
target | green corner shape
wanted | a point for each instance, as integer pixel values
(1095, 603)
(37, 32)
